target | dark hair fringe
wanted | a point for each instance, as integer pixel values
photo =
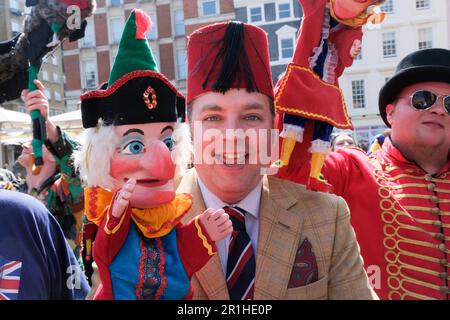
(234, 58)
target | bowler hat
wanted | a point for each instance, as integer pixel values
(419, 66)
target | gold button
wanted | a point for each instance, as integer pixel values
(431, 186)
(444, 262)
(436, 211)
(444, 289)
(442, 247)
(428, 177)
(437, 224)
(439, 236)
(435, 199)
(443, 275)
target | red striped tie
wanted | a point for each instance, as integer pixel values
(241, 259)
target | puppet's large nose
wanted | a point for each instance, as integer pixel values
(158, 161)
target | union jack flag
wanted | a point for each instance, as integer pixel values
(9, 279)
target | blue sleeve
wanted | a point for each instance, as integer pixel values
(33, 242)
(68, 280)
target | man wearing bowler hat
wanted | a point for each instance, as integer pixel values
(399, 197)
(288, 242)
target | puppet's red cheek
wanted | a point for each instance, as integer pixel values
(122, 167)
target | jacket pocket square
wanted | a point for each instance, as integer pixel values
(305, 269)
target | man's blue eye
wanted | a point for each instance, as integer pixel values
(134, 147)
(169, 143)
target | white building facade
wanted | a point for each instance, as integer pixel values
(410, 25)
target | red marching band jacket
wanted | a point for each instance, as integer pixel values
(401, 216)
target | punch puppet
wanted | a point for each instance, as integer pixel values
(308, 93)
(136, 145)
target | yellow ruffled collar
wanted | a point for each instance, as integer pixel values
(153, 222)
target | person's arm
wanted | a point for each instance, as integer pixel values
(111, 234)
(347, 277)
(344, 40)
(68, 281)
(197, 238)
(115, 225)
(195, 247)
(60, 145)
(309, 6)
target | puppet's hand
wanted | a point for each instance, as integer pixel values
(217, 224)
(355, 49)
(122, 200)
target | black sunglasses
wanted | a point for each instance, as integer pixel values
(424, 100)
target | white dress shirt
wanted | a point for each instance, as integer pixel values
(250, 204)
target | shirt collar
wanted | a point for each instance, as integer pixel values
(250, 203)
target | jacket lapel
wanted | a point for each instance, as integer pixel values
(279, 238)
(211, 276)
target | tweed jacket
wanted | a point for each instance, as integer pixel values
(289, 216)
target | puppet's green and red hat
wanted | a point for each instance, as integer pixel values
(136, 92)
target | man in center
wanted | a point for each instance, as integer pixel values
(288, 242)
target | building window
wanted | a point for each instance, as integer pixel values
(15, 27)
(55, 60)
(422, 4)
(256, 14)
(113, 54)
(115, 2)
(209, 7)
(287, 48)
(179, 22)
(116, 29)
(48, 94)
(14, 7)
(14, 4)
(388, 6)
(90, 74)
(425, 38)
(359, 57)
(58, 96)
(156, 56)
(152, 34)
(89, 36)
(358, 94)
(389, 45)
(284, 10)
(55, 77)
(181, 64)
(366, 134)
(45, 75)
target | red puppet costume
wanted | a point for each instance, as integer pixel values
(133, 138)
(329, 40)
(400, 213)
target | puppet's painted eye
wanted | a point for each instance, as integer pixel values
(169, 142)
(134, 147)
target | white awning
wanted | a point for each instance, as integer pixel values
(9, 116)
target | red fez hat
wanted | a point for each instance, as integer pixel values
(228, 55)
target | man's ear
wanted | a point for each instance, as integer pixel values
(389, 112)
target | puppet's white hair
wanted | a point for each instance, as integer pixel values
(99, 144)
(93, 159)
